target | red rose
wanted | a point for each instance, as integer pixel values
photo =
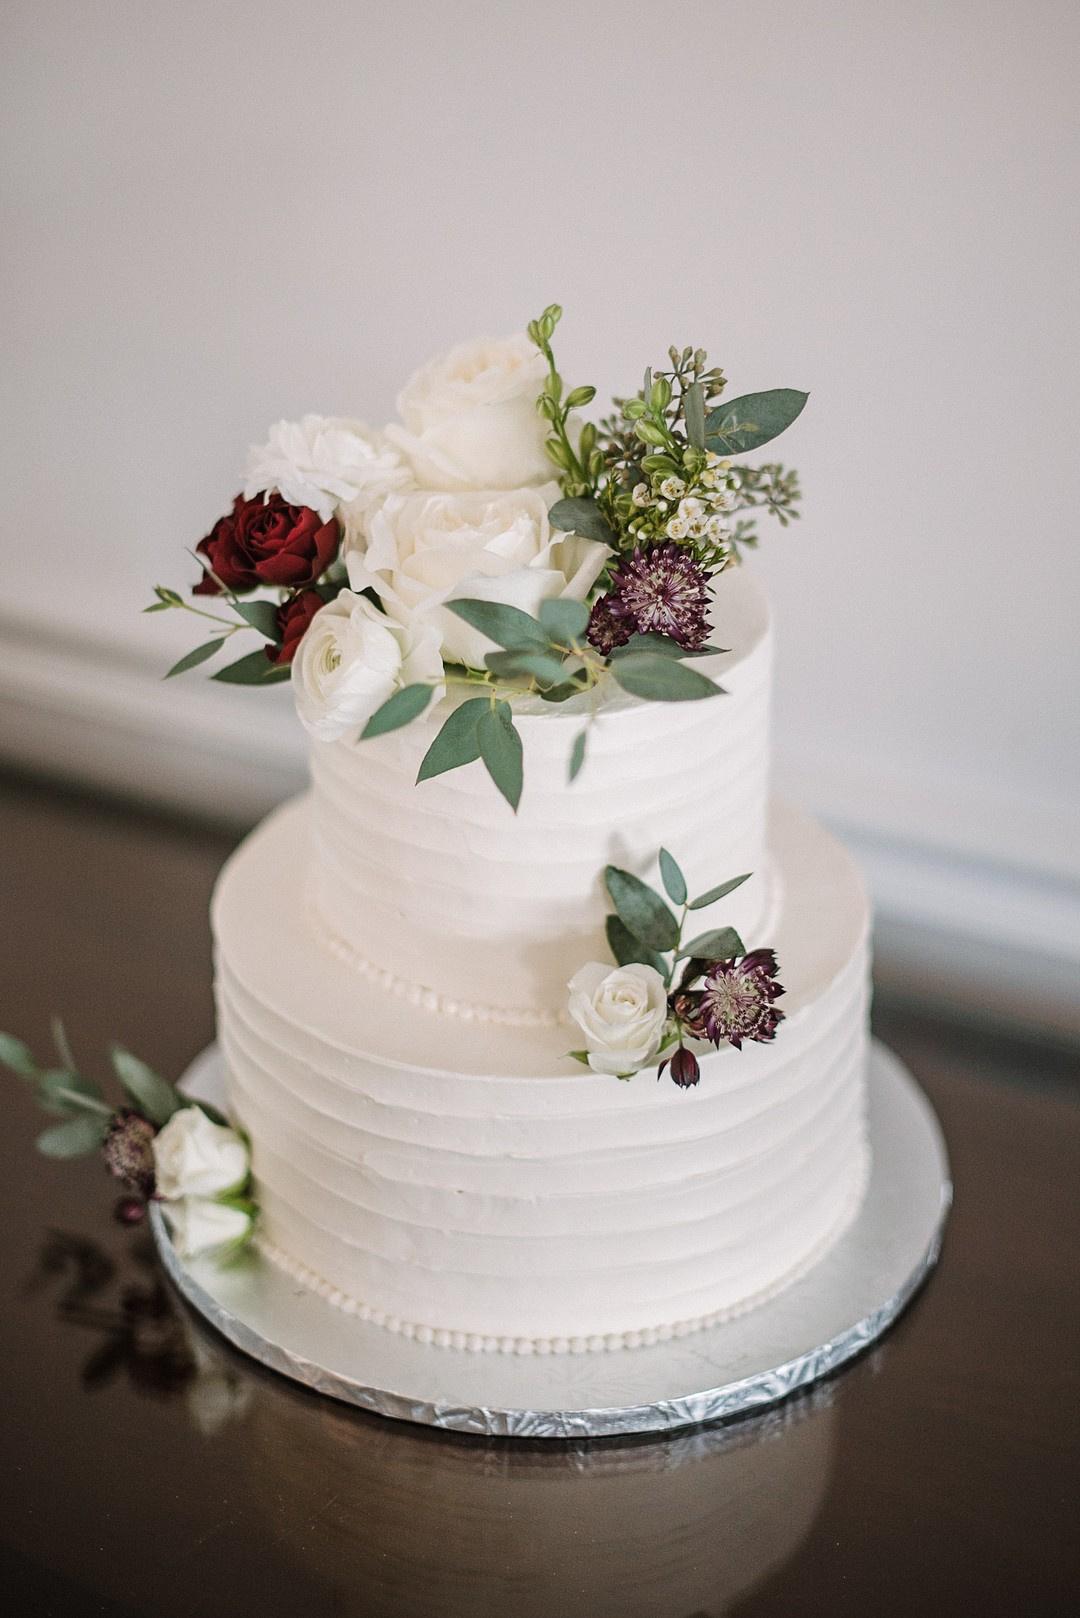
(293, 618)
(267, 542)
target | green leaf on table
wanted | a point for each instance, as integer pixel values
(543, 667)
(261, 615)
(500, 749)
(564, 620)
(508, 627)
(659, 678)
(17, 1056)
(577, 755)
(65, 1092)
(663, 646)
(674, 881)
(151, 1094)
(722, 945)
(626, 949)
(694, 414)
(581, 516)
(640, 910)
(75, 1137)
(721, 892)
(752, 420)
(253, 669)
(457, 742)
(400, 709)
(191, 660)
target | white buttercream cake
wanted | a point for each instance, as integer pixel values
(392, 962)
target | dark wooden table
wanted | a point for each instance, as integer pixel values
(150, 1470)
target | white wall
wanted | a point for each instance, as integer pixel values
(218, 214)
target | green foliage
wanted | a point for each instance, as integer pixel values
(457, 742)
(508, 627)
(672, 877)
(720, 892)
(192, 659)
(565, 621)
(752, 420)
(500, 749)
(720, 945)
(17, 1056)
(75, 1137)
(261, 615)
(641, 911)
(662, 678)
(400, 709)
(150, 1093)
(543, 667)
(253, 669)
(582, 516)
(577, 755)
(626, 949)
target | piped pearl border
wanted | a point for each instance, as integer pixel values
(597, 1343)
(416, 994)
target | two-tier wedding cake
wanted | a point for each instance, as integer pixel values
(546, 1027)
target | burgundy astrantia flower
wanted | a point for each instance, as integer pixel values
(293, 618)
(267, 542)
(685, 1070)
(659, 590)
(735, 1001)
(127, 1149)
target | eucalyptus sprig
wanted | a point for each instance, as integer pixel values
(643, 927)
(579, 466)
(254, 668)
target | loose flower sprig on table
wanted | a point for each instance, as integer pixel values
(666, 991)
(489, 544)
(160, 1145)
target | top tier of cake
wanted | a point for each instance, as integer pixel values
(441, 892)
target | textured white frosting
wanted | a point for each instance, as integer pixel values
(462, 1180)
(444, 897)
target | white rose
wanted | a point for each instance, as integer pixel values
(325, 463)
(621, 1011)
(470, 417)
(352, 658)
(423, 549)
(195, 1157)
(198, 1224)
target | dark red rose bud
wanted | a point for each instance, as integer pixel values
(127, 1149)
(129, 1211)
(685, 1071)
(267, 542)
(293, 618)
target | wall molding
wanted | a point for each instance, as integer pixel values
(988, 927)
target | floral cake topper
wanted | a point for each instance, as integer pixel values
(490, 543)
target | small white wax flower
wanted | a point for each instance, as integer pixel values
(198, 1224)
(621, 1011)
(691, 507)
(717, 528)
(640, 495)
(673, 488)
(677, 528)
(724, 501)
(193, 1156)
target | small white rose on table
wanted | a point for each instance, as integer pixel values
(621, 1011)
(200, 1172)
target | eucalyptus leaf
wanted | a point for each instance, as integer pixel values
(694, 414)
(722, 945)
(200, 655)
(61, 1043)
(253, 669)
(564, 620)
(561, 693)
(720, 892)
(674, 881)
(261, 615)
(500, 749)
(641, 911)
(75, 1137)
(457, 742)
(151, 1094)
(626, 950)
(577, 755)
(752, 420)
(659, 678)
(17, 1056)
(400, 709)
(543, 667)
(66, 1092)
(506, 626)
(581, 515)
(663, 646)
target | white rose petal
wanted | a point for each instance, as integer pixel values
(353, 658)
(193, 1156)
(198, 1225)
(470, 418)
(420, 550)
(326, 463)
(621, 1011)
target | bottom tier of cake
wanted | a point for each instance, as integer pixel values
(463, 1182)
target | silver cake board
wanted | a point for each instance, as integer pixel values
(849, 1298)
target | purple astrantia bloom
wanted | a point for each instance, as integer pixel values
(127, 1149)
(735, 1001)
(659, 590)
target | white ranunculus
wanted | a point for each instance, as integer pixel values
(198, 1225)
(352, 658)
(621, 1011)
(326, 463)
(470, 417)
(194, 1157)
(422, 549)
